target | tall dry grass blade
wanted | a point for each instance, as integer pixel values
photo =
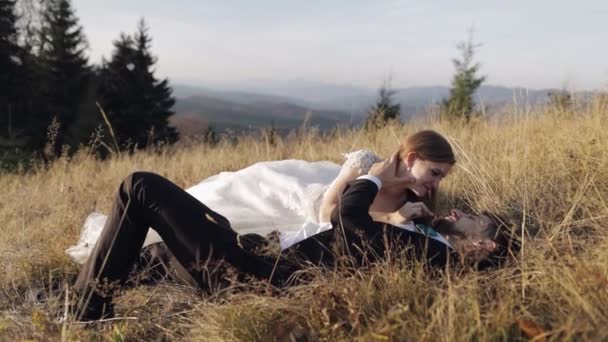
(107, 121)
(66, 312)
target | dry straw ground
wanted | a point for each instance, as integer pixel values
(545, 169)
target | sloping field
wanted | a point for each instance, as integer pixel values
(546, 170)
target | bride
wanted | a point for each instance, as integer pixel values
(296, 197)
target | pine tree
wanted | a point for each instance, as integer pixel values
(210, 136)
(157, 98)
(8, 45)
(118, 91)
(384, 111)
(66, 73)
(29, 108)
(9, 66)
(460, 104)
(270, 134)
(138, 105)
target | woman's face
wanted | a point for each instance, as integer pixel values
(427, 173)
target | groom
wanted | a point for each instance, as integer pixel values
(477, 239)
(196, 235)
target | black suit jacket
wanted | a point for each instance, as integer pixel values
(355, 233)
(365, 239)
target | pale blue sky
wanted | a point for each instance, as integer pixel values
(543, 43)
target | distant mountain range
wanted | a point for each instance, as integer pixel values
(244, 111)
(251, 105)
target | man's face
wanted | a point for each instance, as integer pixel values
(469, 225)
(469, 234)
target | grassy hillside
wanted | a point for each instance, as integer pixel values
(545, 170)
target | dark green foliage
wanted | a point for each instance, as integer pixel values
(117, 89)
(45, 78)
(137, 104)
(384, 111)
(9, 68)
(460, 104)
(270, 134)
(20, 103)
(210, 137)
(13, 118)
(8, 50)
(66, 75)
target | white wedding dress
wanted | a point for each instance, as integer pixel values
(282, 196)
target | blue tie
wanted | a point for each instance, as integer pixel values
(426, 230)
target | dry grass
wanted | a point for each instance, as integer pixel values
(547, 171)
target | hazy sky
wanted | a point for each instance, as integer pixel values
(540, 43)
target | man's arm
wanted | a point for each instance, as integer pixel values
(352, 215)
(352, 212)
(357, 163)
(332, 195)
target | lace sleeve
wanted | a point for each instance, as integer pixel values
(361, 159)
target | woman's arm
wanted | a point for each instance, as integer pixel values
(406, 214)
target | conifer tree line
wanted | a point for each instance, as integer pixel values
(459, 105)
(47, 80)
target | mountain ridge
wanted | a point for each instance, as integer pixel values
(285, 105)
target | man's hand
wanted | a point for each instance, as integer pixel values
(386, 171)
(409, 212)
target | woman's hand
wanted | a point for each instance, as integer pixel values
(386, 171)
(409, 212)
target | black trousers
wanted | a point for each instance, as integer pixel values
(194, 234)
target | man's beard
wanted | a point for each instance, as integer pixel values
(443, 226)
